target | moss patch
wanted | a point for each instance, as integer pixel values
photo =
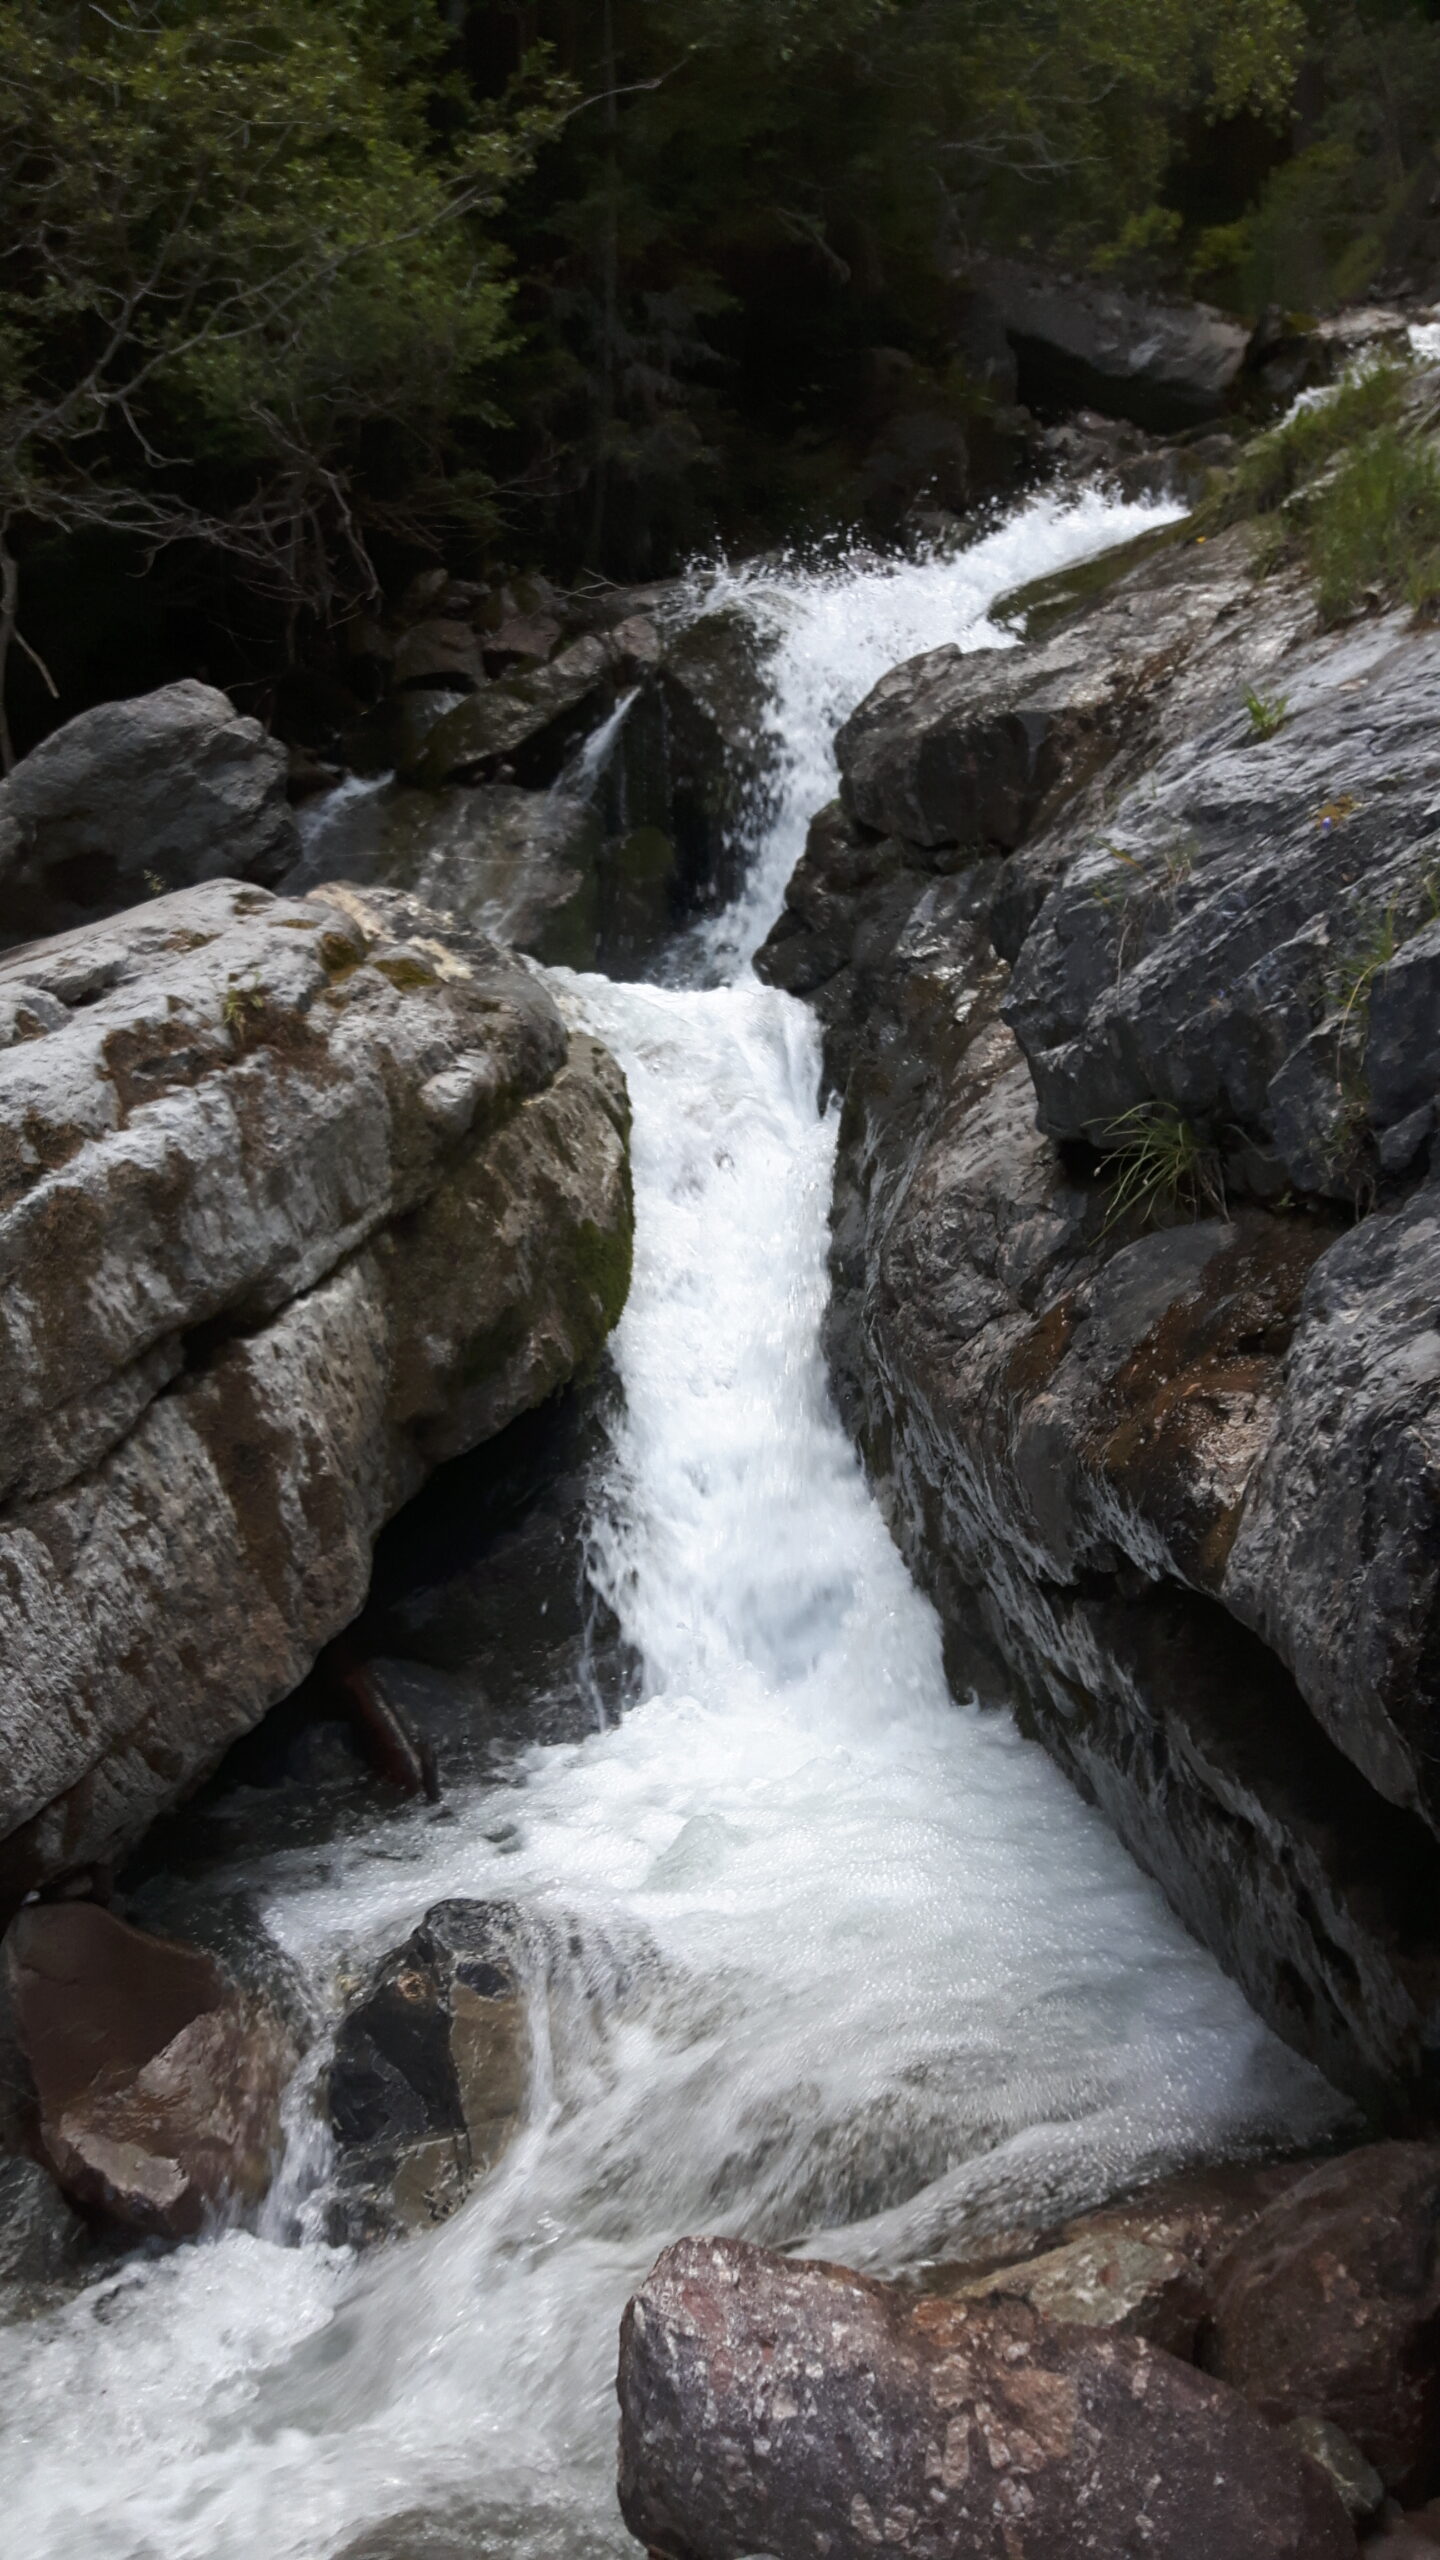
(1045, 605)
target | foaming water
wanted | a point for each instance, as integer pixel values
(835, 630)
(814, 1954)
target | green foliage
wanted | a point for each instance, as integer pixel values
(764, 197)
(1275, 465)
(1353, 195)
(1266, 713)
(1374, 526)
(1159, 1166)
(251, 284)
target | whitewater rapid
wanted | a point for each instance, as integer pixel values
(832, 1958)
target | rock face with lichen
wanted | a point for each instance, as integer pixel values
(297, 1198)
(779, 2405)
(1171, 1468)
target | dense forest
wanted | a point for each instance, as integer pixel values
(299, 293)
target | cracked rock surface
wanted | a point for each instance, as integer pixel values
(297, 1198)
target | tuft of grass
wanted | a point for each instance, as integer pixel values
(1291, 455)
(1374, 527)
(1356, 970)
(1266, 713)
(1161, 1166)
(238, 1005)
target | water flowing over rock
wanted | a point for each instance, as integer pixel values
(161, 792)
(583, 810)
(769, 2404)
(1179, 1485)
(301, 1196)
(157, 2086)
(823, 1954)
(431, 2069)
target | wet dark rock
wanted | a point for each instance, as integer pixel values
(1079, 344)
(432, 2063)
(482, 1622)
(225, 1923)
(304, 1197)
(978, 749)
(1329, 2307)
(157, 2085)
(581, 854)
(769, 2404)
(157, 793)
(43, 2241)
(1357, 2484)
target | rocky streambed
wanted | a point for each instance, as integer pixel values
(625, 1848)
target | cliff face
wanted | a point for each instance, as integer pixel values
(1133, 994)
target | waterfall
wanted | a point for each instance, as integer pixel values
(834, 1960)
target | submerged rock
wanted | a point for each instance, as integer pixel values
(156, 793)
(431, 2071)
(769, 2404)
(297, 1198)
(157, 2085)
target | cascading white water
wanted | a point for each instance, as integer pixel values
(832, 1958)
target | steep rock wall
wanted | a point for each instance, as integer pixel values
(1171, 1481)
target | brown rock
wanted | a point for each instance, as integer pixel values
(1137, 2266)
(157, 2085)
(772, 2405)
(1329, 2307)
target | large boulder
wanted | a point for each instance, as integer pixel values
(431, 2070)
(1328, 2306)
(1081, 344)
(775, 2405)
(974, 748)
(1251, 939)
(136, 797)
(297, 1197)
(157, 2085)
